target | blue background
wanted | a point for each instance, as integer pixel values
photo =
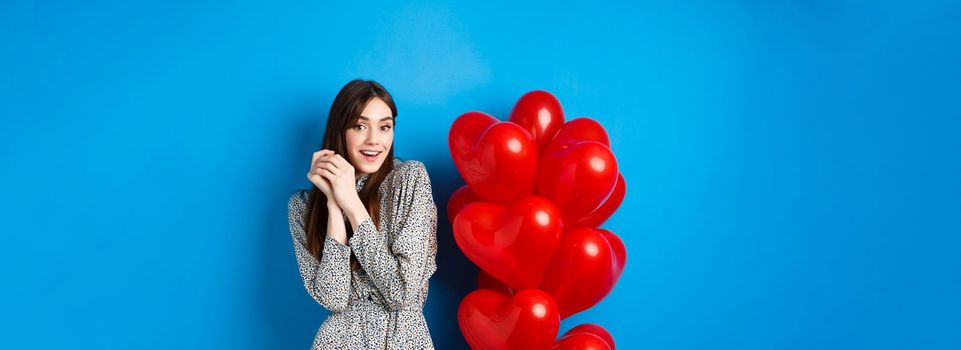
(792, 166)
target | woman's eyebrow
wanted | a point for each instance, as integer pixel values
(381, 119)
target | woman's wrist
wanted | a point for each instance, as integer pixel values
(333, 208)
(356, 212)
(335, 217)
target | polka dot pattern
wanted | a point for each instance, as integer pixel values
(380, 305)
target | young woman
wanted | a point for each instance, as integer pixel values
(365, 235)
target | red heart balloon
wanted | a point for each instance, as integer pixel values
(491, 320)
(575, 131)
(466, 130)
(593, 329)
(540, 113)
(610, 205)
(513, 244)
(460, 199)
(617, 246)
(586, 266)
(486, 281)
(581, 341)
(498, 160)
(577, 178)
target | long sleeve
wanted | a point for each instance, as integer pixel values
(327, 280)
(400, 261)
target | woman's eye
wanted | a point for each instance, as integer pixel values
(359, 127)
(385, 127)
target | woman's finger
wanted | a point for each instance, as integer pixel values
(328, 159)
(340, 161)
(327, 174)
(319, 181)
(318, 154)
(328, 166)
(326, 163)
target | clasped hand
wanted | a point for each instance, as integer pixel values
(335, 177)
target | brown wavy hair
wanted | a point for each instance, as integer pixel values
(344, 113)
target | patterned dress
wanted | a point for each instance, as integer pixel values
(380, 305)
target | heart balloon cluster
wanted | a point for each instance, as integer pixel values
(537, 189)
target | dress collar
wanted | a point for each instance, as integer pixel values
(363, 179)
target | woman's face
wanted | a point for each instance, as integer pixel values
(369, 140)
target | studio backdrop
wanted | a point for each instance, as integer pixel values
(793, 166)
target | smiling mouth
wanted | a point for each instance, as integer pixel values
(370, 154)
